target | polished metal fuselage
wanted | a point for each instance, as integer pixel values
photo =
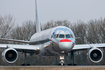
(48, 45)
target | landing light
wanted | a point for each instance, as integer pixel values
(38, 49)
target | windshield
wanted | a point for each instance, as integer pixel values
(67, 35)
(56, 36)
(61, 36)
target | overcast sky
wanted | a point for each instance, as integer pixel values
(71, 10)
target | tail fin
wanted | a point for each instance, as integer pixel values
(38, 29)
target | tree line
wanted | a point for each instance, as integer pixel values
(91, 32)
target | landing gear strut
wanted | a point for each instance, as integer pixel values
(72, 58)
(61, 58)
(25, 56)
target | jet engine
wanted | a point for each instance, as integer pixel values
(10, 55)
(95, 55)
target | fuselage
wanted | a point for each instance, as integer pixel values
(55, 40)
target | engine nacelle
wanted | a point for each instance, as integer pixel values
(10, 55)
(95, 55)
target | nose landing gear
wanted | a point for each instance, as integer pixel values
(61, 58)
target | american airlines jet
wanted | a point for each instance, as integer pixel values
(51, 42)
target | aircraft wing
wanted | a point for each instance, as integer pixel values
(27, 48)
(88, 46)
(14, 40)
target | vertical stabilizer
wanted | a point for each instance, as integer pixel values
(38, 29)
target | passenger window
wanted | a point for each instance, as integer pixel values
(61, 36)
(67, 35)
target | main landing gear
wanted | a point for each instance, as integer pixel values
(24, 64)
(72, 59)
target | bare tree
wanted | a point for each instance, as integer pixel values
(6, 24)
(80, 30)
(96, 31)
(56, 23)
(24, 32)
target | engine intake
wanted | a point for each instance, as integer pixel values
(95, 55)
(10, 55)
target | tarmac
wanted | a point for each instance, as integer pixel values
(52, 67)
(55, 66)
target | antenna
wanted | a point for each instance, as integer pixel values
(38, 29)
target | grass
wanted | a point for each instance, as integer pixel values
(52, 68)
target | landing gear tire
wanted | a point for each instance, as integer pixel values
(22, 64)
(62, 63)
(28, 64)
(25, 64)
(71, 64)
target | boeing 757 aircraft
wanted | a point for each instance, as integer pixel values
(51, 42)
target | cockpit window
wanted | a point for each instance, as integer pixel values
(67, 35)
(61, 35)
(56, 36)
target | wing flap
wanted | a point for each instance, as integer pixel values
(88, 46)
(20, 47)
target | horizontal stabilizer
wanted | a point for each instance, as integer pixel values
(14, 40)
(77, 37)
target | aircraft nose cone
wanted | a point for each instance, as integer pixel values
(65, 44)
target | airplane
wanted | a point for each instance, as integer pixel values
(58, 41)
